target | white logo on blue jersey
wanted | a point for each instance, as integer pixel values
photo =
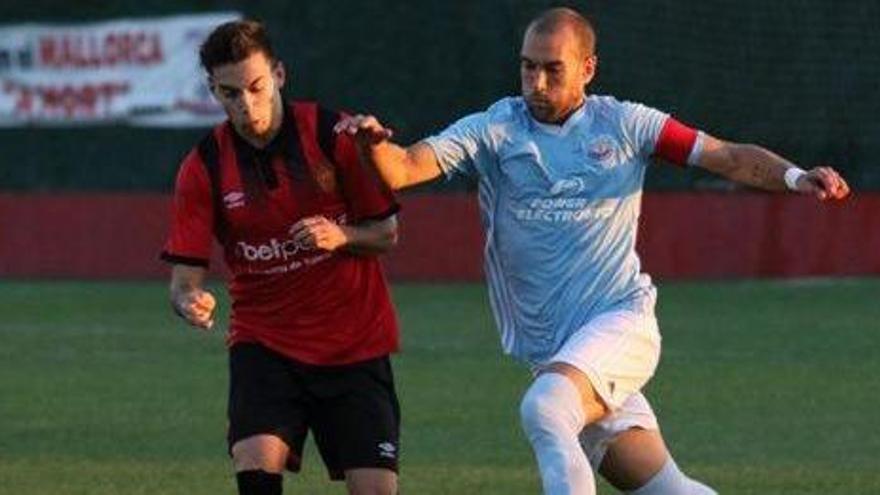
(568, 186)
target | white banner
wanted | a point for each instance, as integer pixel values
(134, 71)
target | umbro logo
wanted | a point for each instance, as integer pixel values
(387, 450)
(234, 199)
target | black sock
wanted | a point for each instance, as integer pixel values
(258, 482)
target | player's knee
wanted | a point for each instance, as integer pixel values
(535, 410)
(552, 405)
(260, 452)
(371, 490)
(371, 482)
(672, 481)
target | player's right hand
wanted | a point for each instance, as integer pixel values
(366, 129)
(196, 306)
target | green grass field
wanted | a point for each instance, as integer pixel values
(763, 388)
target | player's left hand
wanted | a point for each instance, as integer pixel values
(823, 182)
(318, 232)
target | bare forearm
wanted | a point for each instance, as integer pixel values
(747, 164)
(758, 167)
(371, 238)
(399, 167)
(391, 162)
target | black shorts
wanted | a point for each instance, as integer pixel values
(352, 410)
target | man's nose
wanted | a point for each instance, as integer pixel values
(246, 103)
(539, 83)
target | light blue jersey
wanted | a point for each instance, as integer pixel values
(560, 208)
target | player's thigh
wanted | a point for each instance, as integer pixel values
(356, 418)
(617, 351)
(266, 410)
(592, 404)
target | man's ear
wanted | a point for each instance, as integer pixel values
(279, 74)
(590, 68)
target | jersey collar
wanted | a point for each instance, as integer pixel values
(277, 146)
(561, 130)
(256, 163)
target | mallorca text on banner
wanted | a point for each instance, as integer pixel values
(135, 71)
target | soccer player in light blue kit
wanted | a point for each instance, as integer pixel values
(560, 176)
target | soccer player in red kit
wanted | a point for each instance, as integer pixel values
(301, 223)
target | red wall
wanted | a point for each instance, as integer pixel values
(682, 235)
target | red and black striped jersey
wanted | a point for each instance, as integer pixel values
(317, 307)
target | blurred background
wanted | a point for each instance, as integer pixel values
(768, 302)
(799, 77)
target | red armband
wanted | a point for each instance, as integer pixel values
(676, 142)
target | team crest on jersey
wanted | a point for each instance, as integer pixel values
(325, 176)
(603, 150)
(233, 199)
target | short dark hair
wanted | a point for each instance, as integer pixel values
(233, 42)
(552, 20)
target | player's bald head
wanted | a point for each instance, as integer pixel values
(560, 18)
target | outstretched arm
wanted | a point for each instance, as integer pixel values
(758, 167)
(399, 167)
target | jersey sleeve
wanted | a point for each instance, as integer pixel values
(190, 236)
(655, 133)
(367, 197)
(463, 148)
